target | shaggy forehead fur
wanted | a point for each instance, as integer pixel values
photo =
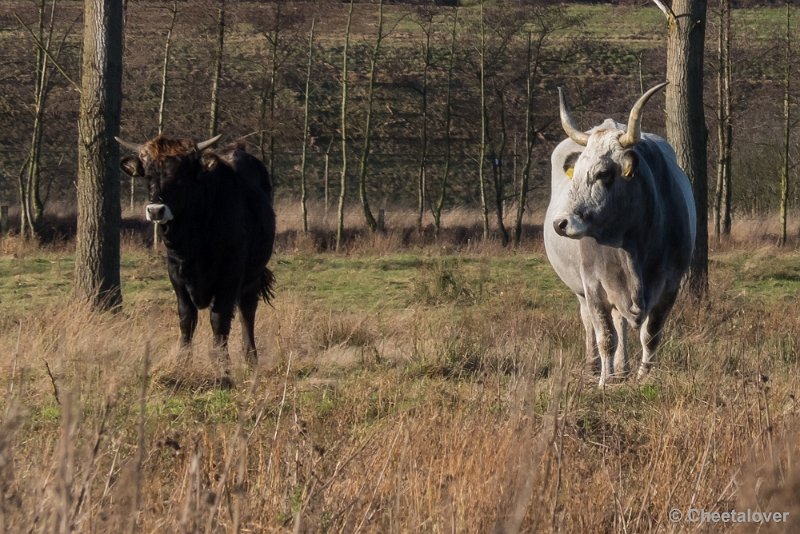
(603, 141)
(601, 150)
(161, 148)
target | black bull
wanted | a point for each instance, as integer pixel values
(215, 217)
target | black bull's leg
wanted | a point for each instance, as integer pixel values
(221, 316)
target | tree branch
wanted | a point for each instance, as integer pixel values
(44, 49)
(665, 9)
(53, 382)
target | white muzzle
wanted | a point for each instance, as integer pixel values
(570, 225)
(158, 213)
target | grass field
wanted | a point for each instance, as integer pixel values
(406, 385)
(417, 388)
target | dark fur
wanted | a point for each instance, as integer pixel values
(222, 234)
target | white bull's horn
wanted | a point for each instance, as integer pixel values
(133, 147)
(207, 143)
(634, 133)
(567, 123)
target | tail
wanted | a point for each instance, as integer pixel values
(267, 289)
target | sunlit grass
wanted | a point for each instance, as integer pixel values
(425, 384)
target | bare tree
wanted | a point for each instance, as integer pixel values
(722, 194)
(162, 101)
(482, 151)
(214, 115)
(436, 208)
(545, 23)
(686, 127)
(273, 37)
(165, 68)
(306, 95)
(343, 130)
(532, 69)
(496, 158)
(424, 18)
(503, 26)
(787, 125)
(47, 55)
(97, 256)
(325, 178)
(372, 224)
(279, 50)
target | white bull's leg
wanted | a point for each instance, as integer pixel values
(650, 336)
(652, 329)
(592, 356)
(606, 337)
(621, 367)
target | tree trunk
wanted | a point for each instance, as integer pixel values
(214, 116)
(423, 150)
(165, 70)
(436, 209)
(369, 219)
(787, 127)
(685, 124)
(497, 156)
(717, 212)
(161, 101)
(97, 256)
(31, 205)
(343, 118)
(727, 182)
(268, 155)
(303, 194)
(326, 180)
(22, 185)
(532, 67)
(722, 213)
(43, 90)
(482, 152)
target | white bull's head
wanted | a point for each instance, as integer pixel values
(604, 196)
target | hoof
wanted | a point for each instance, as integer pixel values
(619, 377)
(224, 382)
(644, 370)
(612, 378)
(616, 378)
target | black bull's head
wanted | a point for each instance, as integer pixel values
(168, 166)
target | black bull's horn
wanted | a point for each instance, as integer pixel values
(135, 147)
(208, 142)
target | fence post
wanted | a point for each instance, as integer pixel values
(3, 220)
(381, 220)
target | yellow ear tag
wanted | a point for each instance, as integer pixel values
(627, 172)
(569, 172)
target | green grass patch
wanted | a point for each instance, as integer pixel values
(27, 283)
(194, 407)
(613, 23)
(47, 414)
(769, 279)
(399, 280)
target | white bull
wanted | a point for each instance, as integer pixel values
(619, 231)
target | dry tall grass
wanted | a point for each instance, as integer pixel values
(467, 410)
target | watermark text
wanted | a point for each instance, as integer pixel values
(698, 515)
